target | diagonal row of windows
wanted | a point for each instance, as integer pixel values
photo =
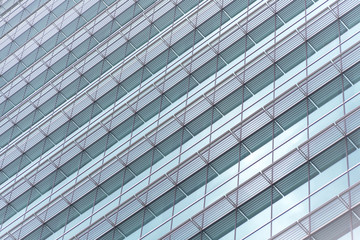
(220, 164)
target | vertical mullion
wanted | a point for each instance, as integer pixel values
(344, 113)
(241, 121)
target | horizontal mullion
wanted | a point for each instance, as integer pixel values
(94, 42)
(326, 218)
(84, 233)
(118, 13)
(242, 202)
(18, 18)
(196, 171)
(140, 112)
(7, 7)
(27, 34)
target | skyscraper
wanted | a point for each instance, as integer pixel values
(179, 119)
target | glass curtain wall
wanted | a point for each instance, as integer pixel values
(180, 119)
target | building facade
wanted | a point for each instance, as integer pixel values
(180, 119)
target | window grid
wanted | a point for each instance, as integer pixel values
(192, 140)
